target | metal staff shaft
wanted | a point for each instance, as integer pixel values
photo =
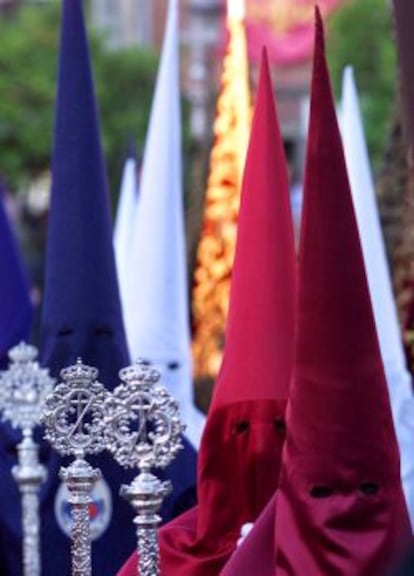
(80, 479)
(148, 552)
(146, 494)
(29, 475)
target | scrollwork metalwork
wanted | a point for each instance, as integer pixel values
(144, 431)
(24, 387)
(144, 428)
(74, 416)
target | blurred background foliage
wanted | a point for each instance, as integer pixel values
(28, 64)
(361, 34)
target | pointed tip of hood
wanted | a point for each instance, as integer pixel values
(257, 358)
(338, 360)
(264, 59)
(319, 31)
(81, 311)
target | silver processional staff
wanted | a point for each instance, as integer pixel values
(74, 417)
(144, 431)
(23, 389)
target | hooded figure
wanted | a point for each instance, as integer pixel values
(239, 457)
(340, 505)
(339, 508)
(82, 312)
(155, 294)
(16, 314)
(379, 282)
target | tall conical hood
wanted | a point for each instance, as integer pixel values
(251, 391)
(81, 310)
(340, 469)
(16, 311)
(366, 211)
(157, 250)
(258, 355)
(156, 298)
(123, 229)
(379, 280)
(82, 313)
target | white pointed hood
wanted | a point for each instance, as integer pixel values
(158, 328)
(379, 280)
(124, 225)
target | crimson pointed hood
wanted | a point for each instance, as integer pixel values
(246, 416)
(239, 457)
(340, 505)
(259, 336)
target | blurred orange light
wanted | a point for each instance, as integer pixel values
(216, 249)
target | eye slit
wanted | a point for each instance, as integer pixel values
(173, 365)
(369, 488)
(280, 426)
(321, 491)
(103, 330)
(65, 331)
(242, 427)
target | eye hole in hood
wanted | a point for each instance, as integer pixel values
(65, 331)
(321, 491)
(173, 365)
(369, 488)
(242, 427)
(103, 330)
(280, 426)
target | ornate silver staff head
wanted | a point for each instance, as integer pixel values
(143, 424)
(144, 432)
(74, 415)
(23, 388)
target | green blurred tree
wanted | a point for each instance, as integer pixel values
(28, 60)
(361, 34)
